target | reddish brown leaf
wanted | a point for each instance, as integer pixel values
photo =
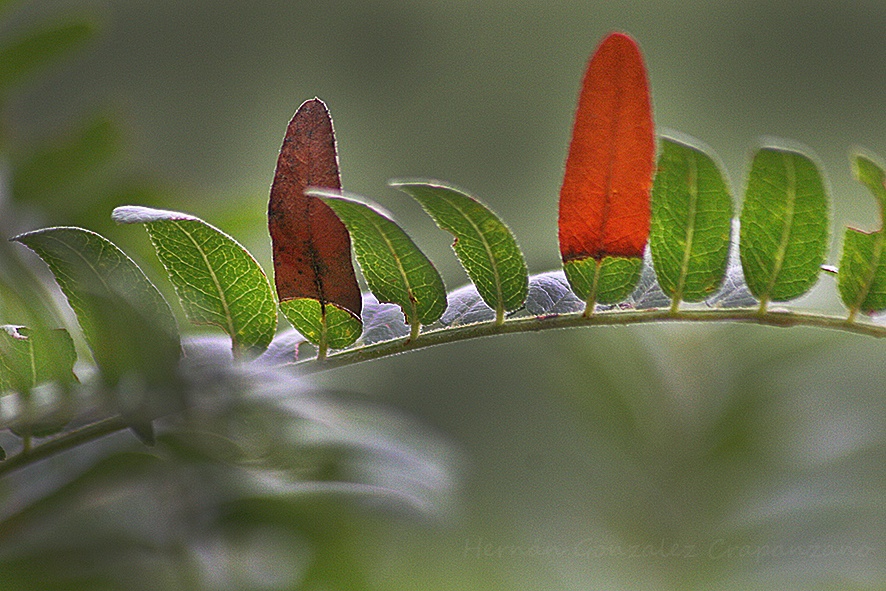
(312, 248)
(604, 200)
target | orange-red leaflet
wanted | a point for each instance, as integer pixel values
(604, 200)
(311, 247)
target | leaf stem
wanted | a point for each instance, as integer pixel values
(591, 302)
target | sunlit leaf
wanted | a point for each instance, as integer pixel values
(313, 273)
(604, 200)
(395, 269)
(216, 279)
(483, 243)
(862, 274)
(784, 225)
(691, 222)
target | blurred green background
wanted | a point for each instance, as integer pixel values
(672, 457)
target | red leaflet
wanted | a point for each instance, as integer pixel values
(312, 248)
(604, 200)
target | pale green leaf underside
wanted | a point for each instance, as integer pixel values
(861, 279)
(608, 282)
(784, 225)
(691, 222)
(216, 279)
(484, 245)
(394, 268)
(125, 320)
(340, 327)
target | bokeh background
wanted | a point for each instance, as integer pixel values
(655, 457)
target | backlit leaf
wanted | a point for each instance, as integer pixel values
(604, 201)
(216, 279)
(395, 269)
(691, 222)
(483, 243)
(607, 281)
(784, 225)
(312, 249)
(861, 278)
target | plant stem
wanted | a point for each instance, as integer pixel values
(63, 442)
(774, 318)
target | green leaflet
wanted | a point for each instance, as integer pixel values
(607, 282)
(691, 223)
(861, 279)
(21, 58)
(31, 359)
(216, 279)
(484, 245)
(126, 322)
(312, 319)
(784, 225)
(393, 266)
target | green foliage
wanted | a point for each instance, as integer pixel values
(217, 280)
(784, 225)
(483, 243)
(862, 275)
(256, 452)
(691, 223)
(605, 282)
(322, 323)
(395, 269)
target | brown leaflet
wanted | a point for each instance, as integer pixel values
(311, 247)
